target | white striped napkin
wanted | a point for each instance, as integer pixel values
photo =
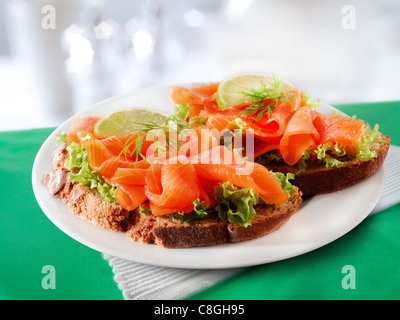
(146, 282)
(391, 191)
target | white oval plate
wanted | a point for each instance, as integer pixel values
(318, 221)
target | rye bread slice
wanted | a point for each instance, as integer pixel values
(83, 201)
(89, 205)
(320, 180)
(211, 230)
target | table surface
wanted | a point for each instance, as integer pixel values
(30, 242)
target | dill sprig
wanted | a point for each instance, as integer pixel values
(265, 100)
(165, 137)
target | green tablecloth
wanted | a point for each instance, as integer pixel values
(29, 242)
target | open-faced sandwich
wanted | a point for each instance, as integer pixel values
(231, 164)
(285, 132)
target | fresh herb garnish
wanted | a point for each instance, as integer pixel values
(264, 101)
(165, 137)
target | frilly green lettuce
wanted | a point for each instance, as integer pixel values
(81, 171)
(334, 155)
(199, 212)
(237, 126)
(284, 181)
(235, 204)
(309, 102)
(181, 111)
(327, 152)
(363, 149)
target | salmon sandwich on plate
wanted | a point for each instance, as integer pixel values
(231, 164)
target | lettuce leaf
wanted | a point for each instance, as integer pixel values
(181, 111)
(237, 127)
(199, 212)
(309, 102)
(284, 181)
(144, 210)
(198, 120)
(61, 138)
(334, 155)
(335, 149)
(235, 204)
(363, 149)
(81, 171)
(303, 162)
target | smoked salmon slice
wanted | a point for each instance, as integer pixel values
(114, 144)
(97, 153)
(198, 140)
(127, 145)
(161, 211)
(260, 146)
(300, 134)
(339, 129)
(82, 126)
(244, 174)
(130, 197)
(274, 124)
(196, 94)
(130, 176)
(173, 186)
(219, 121)
(199, 97)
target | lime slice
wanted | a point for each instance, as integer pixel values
(230, 90)
(123, 122)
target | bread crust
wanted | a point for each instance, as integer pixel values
(211, 230)
(269, 218)
(89, 205)
(82, 201)
(321, 180)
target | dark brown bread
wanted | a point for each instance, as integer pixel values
(320, 180)
(176, 234)
(268, 219)
(89, 205)
(211, 230)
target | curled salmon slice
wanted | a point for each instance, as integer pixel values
(300, 134)
(130, 176)
(199, 97)
(244, 174)
(219, 121)
(161, 211)
(130, 197)
(82, 126)
(172, 186)
(126, 146)
(196, 94)
(339, 129)
(198, 140)
(273, 124)
(97, 153)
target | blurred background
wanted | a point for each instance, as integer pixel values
(58, 57)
